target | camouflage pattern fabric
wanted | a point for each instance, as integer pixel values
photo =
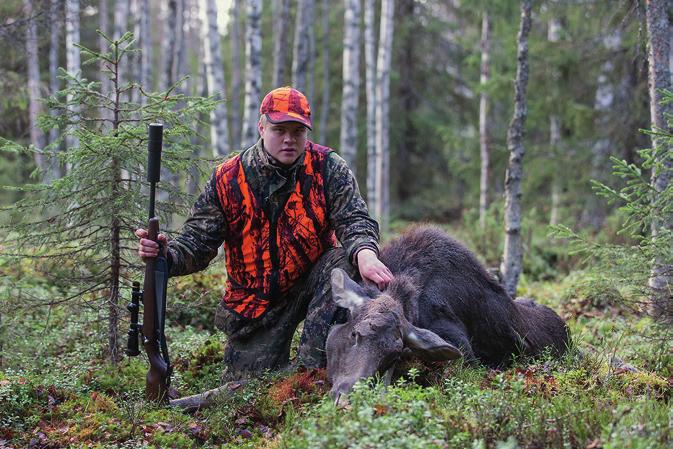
(264, 343)
(256, 345)
(204, 231)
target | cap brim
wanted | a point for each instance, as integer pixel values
(280, 117)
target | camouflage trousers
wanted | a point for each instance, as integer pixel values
(256, 345)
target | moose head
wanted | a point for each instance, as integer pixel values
(378, 331)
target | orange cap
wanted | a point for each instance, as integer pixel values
(286, 104)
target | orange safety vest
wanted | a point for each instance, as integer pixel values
(265, 259)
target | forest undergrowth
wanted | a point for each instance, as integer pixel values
(612, 389)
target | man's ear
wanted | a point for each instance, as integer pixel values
(345, 291)
(260, 125)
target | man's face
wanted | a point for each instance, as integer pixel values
(283, 141)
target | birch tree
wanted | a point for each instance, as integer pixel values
(235, 43)
(55, 16)
(72, 57)
(484, 141)
(33, 65)
(512, 261)
(281, 12)
(253, 72)
(302, 62)
(383, 63)
(325, 54)
(145, 44)
(219, 131)
(595, 211)
(553, 36)
(370, 90)
(103, 26)
(659, 79)
(168, 50)
(121, 18)
(351, 83)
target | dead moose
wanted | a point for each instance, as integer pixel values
(442, 305)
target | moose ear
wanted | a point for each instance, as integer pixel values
(429, 346)
(345, 291)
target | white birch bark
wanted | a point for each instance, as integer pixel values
(484, 140)
(553, 36)
(169, 40)
(219, 130)
(370, 91)
(594, 212)
(325, 100)
(253, 72)
(235, 43)
(179, 68)
(121, 17)
(512, 261)
(302, 63)
(145, 36)
(351, 83)
(659, 78)
(72, 57)
(103, 47)
(53, 171)
(34, 107)
(383, 63)
(281, 12)
(554, 141)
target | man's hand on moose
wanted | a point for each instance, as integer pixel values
(148, 249)
(372, 269)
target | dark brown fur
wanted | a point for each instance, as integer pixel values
(442, 288)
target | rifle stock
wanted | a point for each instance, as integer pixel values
(158, 375)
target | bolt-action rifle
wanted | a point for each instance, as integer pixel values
(154, 291)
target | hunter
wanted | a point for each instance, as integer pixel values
(287, 211)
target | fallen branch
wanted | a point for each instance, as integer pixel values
(207, 398)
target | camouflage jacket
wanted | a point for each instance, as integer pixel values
(203, 232)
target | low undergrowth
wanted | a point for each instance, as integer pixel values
(612, 390)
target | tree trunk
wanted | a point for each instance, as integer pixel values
(219, 131)
(325, 100)
(115, 227)
(553, 36)
(661, 275)
(281, 12)
(253, 72)
(34, 107)
(168, 51)
(484, 141)
(179, 69)
(595, 211)
(53, 170)
(351, 83)
(382, 214)
(512, 261)
(302, 63)
(235, 42)
(554, 141)
(145, 36)
(370, 91)
(103, 26)
(72, 57)
(121, 18)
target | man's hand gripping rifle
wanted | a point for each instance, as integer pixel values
(154, 291)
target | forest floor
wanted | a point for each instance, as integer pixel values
(613, 389)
